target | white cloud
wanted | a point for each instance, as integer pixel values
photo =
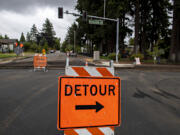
(13, 23)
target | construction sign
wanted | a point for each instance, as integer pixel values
(88, 102)
(40, 62)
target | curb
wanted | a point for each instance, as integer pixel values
(145, 68)
(13, 60)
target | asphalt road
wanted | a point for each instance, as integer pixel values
(54, 61)
(150, 102)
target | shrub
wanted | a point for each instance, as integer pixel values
(139, 55)
(33, 47)
(69, 48)
(27, 46)
(45, 46)
(39, 49)
(112, 56)
(156, 52)
(78, 49)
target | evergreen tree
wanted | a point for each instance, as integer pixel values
(1, 37)
(33, 33)
(105, 36)
(22, 38)
(48, 32)
(151, 23)
(6, 36)
(175, 38)
(137, 20)
(43, 41)
(57, 43)
(150, 19)
(28, 37)
(70, 33)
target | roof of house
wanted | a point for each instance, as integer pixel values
(8, 41)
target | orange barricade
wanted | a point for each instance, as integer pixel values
(40, 62)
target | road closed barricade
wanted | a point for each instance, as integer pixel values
(89, 101)
(40, 62)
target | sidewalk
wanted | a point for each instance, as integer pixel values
(128, 65)
(158, 67)
(106, 63)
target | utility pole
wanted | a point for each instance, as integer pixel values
(74, 40)
(104, 8)
(117, 40)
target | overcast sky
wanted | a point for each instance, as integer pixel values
(17, 16)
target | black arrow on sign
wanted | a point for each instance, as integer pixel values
(98, 107)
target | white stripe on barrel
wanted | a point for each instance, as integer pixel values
(82, 131)
(91, 70)
(107, 131)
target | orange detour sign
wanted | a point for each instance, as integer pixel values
(88, 102)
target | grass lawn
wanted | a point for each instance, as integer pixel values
(120, 60)
(151, 61)
(7, 55)
(127, 60)
(104, 57)
(29, 53)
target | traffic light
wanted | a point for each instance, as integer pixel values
(21, 45)
(16, 44)
(84, 15)
(60, 12)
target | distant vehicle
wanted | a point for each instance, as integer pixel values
(73, 54)
(52, 51)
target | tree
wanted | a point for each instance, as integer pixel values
(28, 37)
(33, 33)
(104, 37)
(6, 36)
(151, 23)
(57, 43)
(27, 46)
(137, 20)
(22, 38)
(48, 32)
(175, 36)
(70, 33)
(150, 19)
(131, 42)
(1, 37)
(159, 20)
(43, 41)
(45, 46)
(63, 47)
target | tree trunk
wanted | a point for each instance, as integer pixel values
(136, 43)
(175, 36)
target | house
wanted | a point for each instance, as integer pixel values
(7, 45)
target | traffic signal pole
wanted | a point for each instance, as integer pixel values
(106, 19)
(117, 40)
